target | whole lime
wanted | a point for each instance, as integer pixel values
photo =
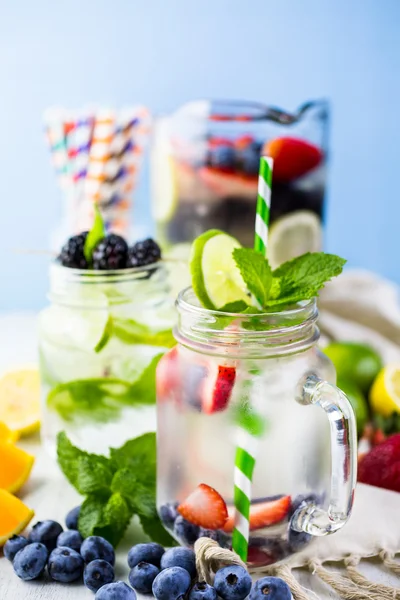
(357, 401)
(355, 362)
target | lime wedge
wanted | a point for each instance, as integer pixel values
(294, 234)
(216, 279)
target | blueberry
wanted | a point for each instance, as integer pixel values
(95, 547)
(65, 565)
(46, 532)
(71, 520)
(168, 513)
(149, 553)
(273, 587)
(171, 584)
(303, 499)
(29, 562)
(70, 539)
(11, 547)
(187, 532)
(115, 591)
(297, 539)
(232, 583)
(142, 576)
(222, 157)
(98, 573)
(180, 557)
(202, 591)
(250, 159)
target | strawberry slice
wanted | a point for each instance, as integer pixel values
(167, 377)
(228, 184)
(204, 507)
(292, 157)
(262, 514)
(217, 389)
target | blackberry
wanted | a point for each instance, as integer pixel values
(72, 255)
(144, 253)
(110, 253)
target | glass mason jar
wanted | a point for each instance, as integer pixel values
(262, 377)
(99, 342)
(204, 167)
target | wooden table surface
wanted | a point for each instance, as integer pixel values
(51, 496)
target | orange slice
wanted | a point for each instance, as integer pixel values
(14, 516)
(16, 464)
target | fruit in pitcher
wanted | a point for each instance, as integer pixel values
(263, 514)
(98, 573)
(293, 157)
(205, 507)
(186, 531)
(217, 389)
(381, 466)
(168, 375)
(65, 565)
(16, 465)
(273, 587)
(232, 583)
(168, 513)
(171, 584)
(30, 562)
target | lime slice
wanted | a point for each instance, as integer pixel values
(164, 187)
(294, 234)
(216, 279)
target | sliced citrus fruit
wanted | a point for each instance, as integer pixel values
(14, 516)
(385, 392)
(20, 400)
(294, 234)
(216, 279)
(355, 362)
(16, 464)
(6, 435)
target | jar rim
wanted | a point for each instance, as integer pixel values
(73, 275)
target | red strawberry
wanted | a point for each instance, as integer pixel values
(263, 514)
(217, 389)
(292, 157)
(381, 466)
(204, 507)
(167, 377)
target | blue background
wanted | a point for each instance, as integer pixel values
(165, 52)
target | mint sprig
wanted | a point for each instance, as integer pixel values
(298, 279)
(116, 488)
(95, 235)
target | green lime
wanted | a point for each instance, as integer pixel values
(355, 362)
(357, 401)
(216, 279)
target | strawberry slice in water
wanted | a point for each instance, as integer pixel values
(217, 388)
(167, 378)
(204, 507)
(262, 514)
(293, 157)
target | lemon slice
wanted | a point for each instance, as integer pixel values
(294, 234)
(216, 279)
(20, 400)
(6, 435)
(385, 391)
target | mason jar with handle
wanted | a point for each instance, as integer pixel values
(261, 373)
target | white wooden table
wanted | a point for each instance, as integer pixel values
(51, 496)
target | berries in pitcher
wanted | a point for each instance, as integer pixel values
(263, 514)
(186, 531)
(204, 507)
(217, 388)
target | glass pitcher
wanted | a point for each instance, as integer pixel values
(204, 168)
(264, 375)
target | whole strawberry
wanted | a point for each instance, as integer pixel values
(381, 466)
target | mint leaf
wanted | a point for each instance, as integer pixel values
(115, 518)
(234, 307)
(136, 453)
(245, 417)
(302, 277)
(131, 332)
(143, 390)
(92, 475)
(95, 235)
(91, 514)
(70, 458)
(155, 530)
(255, 271)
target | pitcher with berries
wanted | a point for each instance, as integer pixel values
(108, 323)
(256, 444)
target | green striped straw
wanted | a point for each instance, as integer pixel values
(246, 449)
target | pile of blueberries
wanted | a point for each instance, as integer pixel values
(227, 157)
(111, 253)
(167, 574)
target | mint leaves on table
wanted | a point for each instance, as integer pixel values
(116, 488)
(296, 280)
(94, 236)
(102, 399)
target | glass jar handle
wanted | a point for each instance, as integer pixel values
(313, 519)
